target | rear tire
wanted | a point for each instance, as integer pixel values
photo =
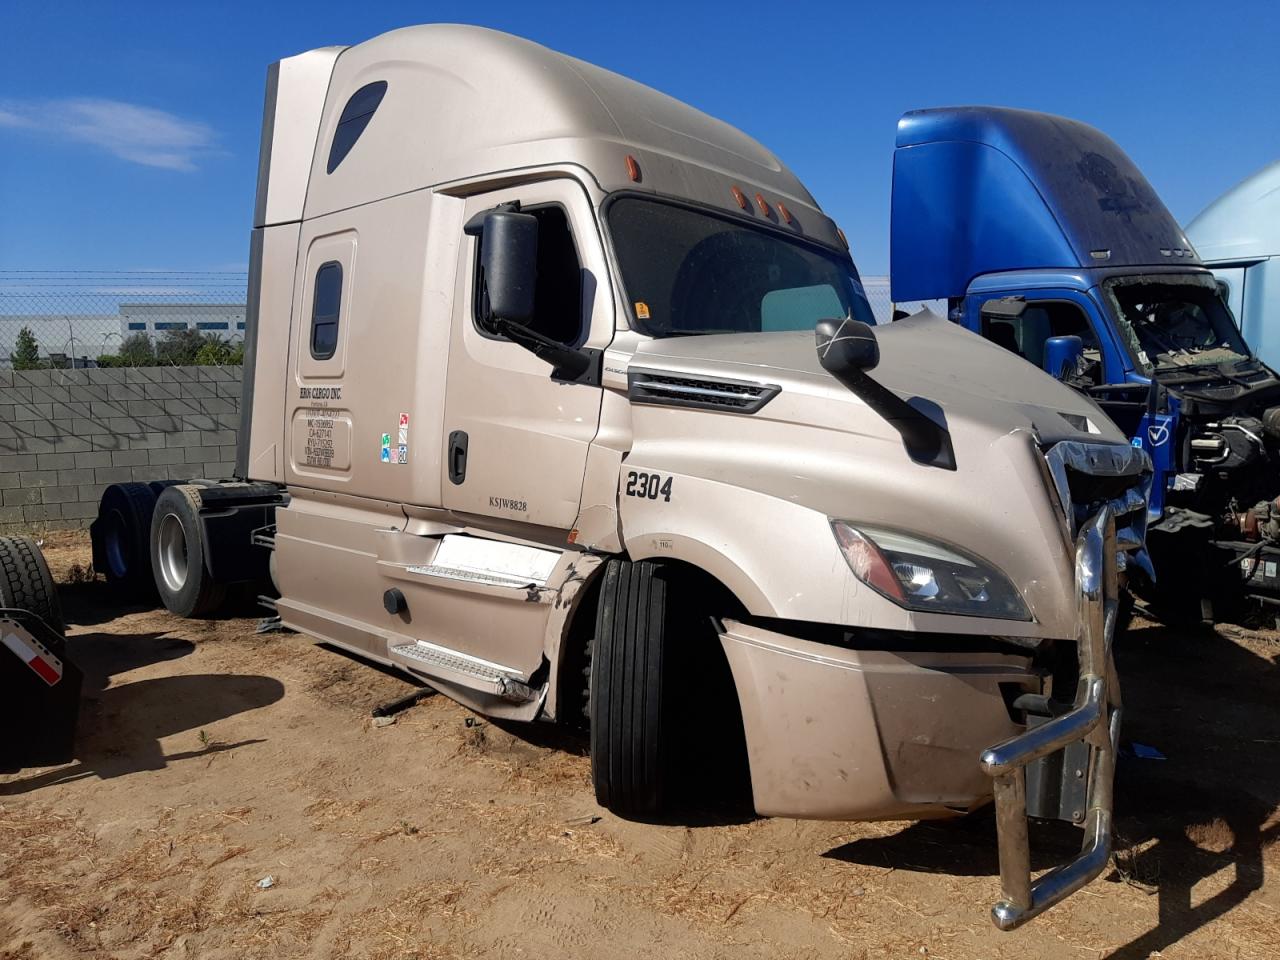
(25, 581)
(122, 533)
(183, 581)
(627, 708)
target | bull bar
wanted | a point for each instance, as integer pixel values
(1094, 718)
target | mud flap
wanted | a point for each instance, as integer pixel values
(39, 693)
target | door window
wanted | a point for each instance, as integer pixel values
(1042, 319)
(326, 305)
(557, 293)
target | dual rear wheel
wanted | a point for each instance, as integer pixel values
(177, 552)
(148, 540)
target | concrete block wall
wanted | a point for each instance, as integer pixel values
(66, 434)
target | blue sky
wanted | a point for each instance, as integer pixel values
(129, 131)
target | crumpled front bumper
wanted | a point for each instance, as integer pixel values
(841, 733)
(1093, 719)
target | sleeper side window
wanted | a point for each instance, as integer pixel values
(326, 305)
(557, 293)
(355, 117)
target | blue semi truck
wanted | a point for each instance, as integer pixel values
(1044, 237)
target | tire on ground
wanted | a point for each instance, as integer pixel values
(25, 581)
(122, 534)
(627, 710)
(177, 554)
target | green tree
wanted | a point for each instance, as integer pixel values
(179, 347)
(218, 353)
(26, 351)
(136, 351)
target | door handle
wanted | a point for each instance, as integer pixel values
(457, 456)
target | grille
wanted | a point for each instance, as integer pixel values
(707, 393)
(1089, 476)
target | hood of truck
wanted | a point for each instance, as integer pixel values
(922, 357)
(983, 189)
(814, 450)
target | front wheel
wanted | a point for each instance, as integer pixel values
(628, 690)
(177, 554)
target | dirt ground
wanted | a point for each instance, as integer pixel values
(211, 758)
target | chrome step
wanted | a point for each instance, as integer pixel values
(469, 671)
(475, 576)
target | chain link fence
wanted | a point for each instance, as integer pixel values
(63, 319)
(71, 319)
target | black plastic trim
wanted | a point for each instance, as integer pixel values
(639, 390)
(457, 457)
(229, 515)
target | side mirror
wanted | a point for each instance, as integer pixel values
(845, 346)
(510, 261)
(1005, 308)
(1062, 355)
(847, 349)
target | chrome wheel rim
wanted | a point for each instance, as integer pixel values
(173, 553)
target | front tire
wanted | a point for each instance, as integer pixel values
(182, 579)
(628, 688)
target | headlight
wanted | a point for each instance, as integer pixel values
(922, 575)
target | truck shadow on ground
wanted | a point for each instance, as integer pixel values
(92, 602)
(121, 726)
(1213, 805)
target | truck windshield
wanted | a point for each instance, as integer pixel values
(690, 272)
(1175, 321)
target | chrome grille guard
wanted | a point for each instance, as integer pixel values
(1095, 719)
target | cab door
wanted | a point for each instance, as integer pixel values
(319, 418)
(1052, 312)
(516, 440)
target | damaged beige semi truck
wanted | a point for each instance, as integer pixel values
(565, 398)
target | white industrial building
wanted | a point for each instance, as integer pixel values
(89, 335)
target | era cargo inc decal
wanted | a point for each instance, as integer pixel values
(321, 429)
(319, 447)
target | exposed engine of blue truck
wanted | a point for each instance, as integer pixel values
(1044, 237)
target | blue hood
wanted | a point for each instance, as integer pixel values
(987, 189)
